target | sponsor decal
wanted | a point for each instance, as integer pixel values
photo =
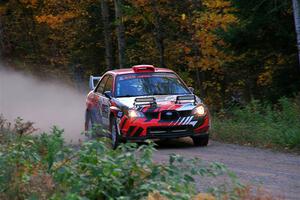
(133, 76)
(169, 113)
(120, 114)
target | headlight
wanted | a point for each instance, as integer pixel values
(135, 114)
(200, 110)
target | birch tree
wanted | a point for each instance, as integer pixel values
(1, 37)
(296, 9)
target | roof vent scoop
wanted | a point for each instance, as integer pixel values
(143, 68)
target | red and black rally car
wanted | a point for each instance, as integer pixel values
(146, 102)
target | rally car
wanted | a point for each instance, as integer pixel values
(145, 102)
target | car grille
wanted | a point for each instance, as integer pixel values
(185, 113)
(170, 115)
(170, 131)
(151, 115)
(164, 115)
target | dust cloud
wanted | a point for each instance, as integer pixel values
(46, 103)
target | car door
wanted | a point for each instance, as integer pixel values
(99, 90)
(106, 101)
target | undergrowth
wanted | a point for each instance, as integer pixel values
(261, 124)
(45, 167)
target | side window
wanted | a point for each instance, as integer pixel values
(101, 85)
(109, 84)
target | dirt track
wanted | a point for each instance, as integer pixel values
(278, 172)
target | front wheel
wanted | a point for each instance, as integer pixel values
(114, 134)
(201, 141)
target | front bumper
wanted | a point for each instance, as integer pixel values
(142, 129)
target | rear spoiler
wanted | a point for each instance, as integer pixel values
(93, 81)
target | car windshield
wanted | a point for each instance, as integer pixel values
(145, 84)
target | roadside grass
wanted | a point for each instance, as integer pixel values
(261, 124)
(45, 167)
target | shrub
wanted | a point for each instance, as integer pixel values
(45, 167)
(261, 124)
(25, 160)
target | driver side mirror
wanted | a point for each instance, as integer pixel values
(108, 94)
(93, 81)
(191, 89)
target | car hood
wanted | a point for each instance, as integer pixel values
(164, 102)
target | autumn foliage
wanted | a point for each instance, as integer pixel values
(225, 49)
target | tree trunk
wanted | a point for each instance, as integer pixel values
(107, 35)
(200, 79)
(120, 32)
(1, 38)
(296, 8)
(158, 34)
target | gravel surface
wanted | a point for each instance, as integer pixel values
(276, 172)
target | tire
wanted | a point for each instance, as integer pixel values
(201, 141)
(115, 138)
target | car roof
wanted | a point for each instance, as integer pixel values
(131, 70)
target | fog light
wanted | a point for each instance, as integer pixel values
(135, 114)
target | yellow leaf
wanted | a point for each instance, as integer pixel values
(204, 196)
(156, 196)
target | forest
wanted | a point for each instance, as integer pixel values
(242, 57)
(230, 51)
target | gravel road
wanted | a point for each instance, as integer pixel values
(276, 172)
